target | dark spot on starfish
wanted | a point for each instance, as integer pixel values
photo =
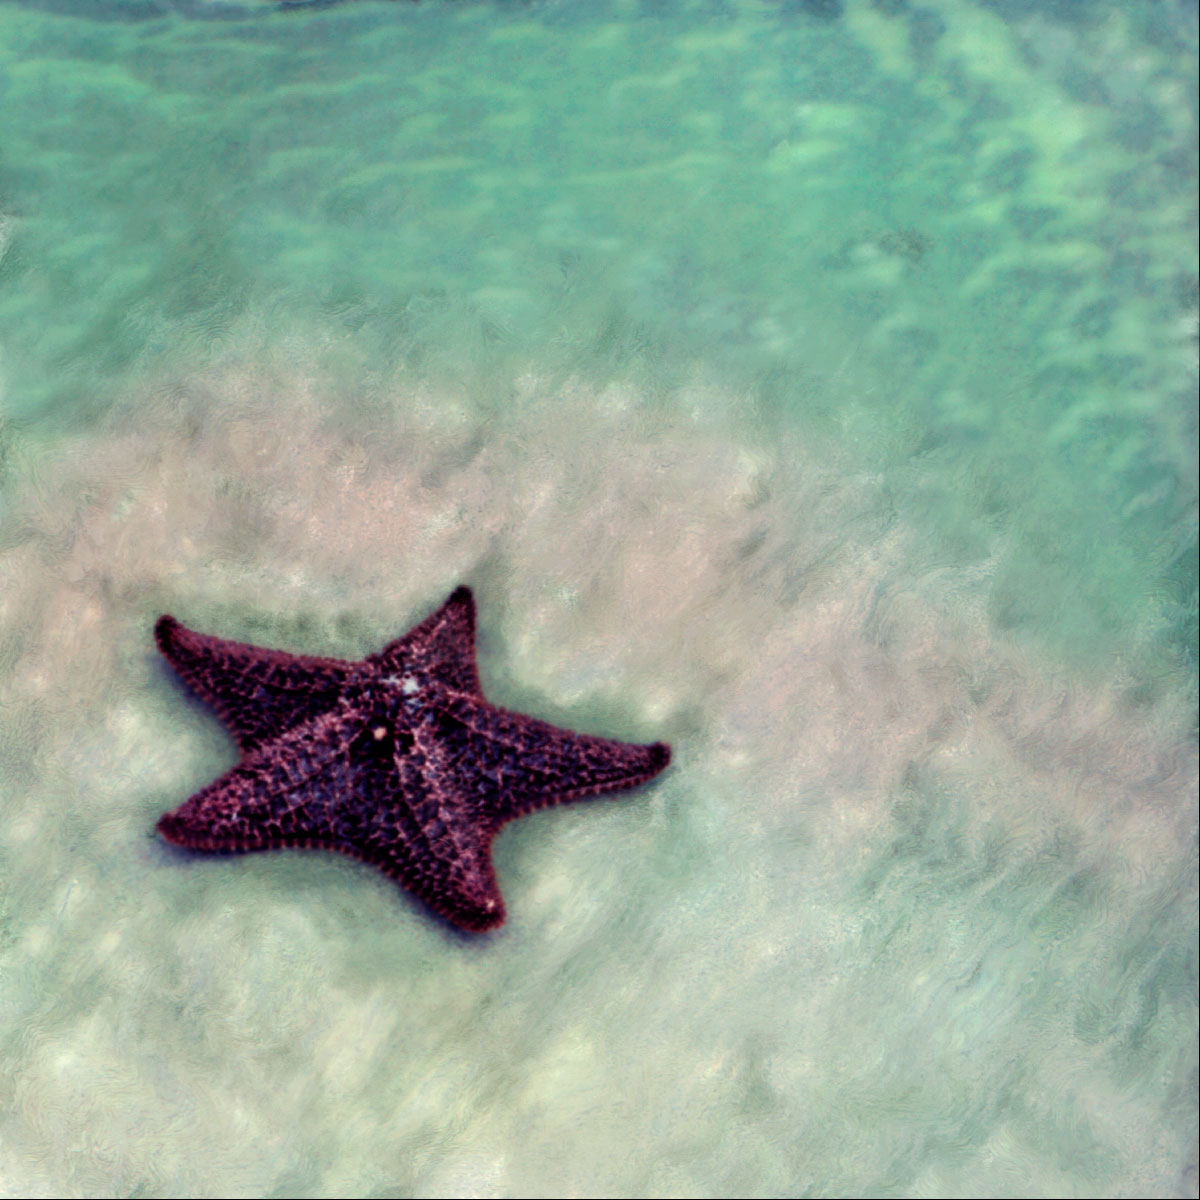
(414, 778)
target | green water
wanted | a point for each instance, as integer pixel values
(814, 392)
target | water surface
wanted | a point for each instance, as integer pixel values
(810, 386)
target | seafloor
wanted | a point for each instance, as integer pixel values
(809, 385)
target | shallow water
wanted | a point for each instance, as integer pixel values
(812, 389)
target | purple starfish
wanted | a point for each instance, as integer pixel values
(397, 759)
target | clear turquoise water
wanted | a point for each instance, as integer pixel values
(816, 393)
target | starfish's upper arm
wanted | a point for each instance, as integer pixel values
(442, 647)
(257, 693)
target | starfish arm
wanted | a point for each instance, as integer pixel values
(339, 783)
(461, 886)
(424, 831)
(278, 795)
(526, 764)
(441, 648)
(257, 693)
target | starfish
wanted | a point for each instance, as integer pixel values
(398, 760)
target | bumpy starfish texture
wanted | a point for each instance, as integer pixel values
(398, 759)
